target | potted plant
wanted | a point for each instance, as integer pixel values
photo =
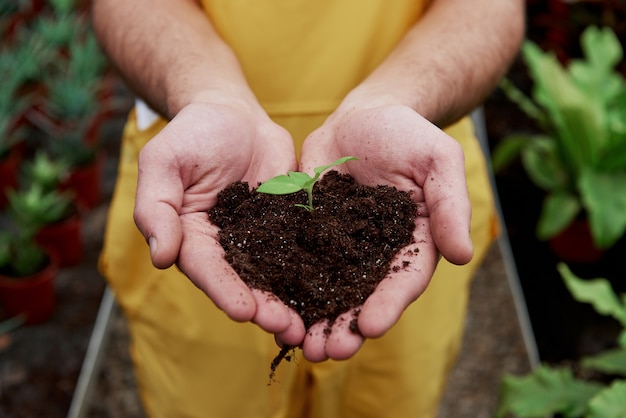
(559, 389)
(27, 274)
(43, 205)
(70, 115)
(579, 158)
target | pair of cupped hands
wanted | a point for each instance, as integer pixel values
(207, 146)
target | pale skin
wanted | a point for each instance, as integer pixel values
(440, 71)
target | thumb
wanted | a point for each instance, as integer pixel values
(450, 209)
(157, 204)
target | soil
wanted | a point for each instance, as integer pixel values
(324, 262)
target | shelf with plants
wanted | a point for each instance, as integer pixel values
(54, 100)
(57, 67)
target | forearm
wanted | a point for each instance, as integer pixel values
(168, 53)
(451, 60)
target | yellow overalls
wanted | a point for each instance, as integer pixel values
(300, 57)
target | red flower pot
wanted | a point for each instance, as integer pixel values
(33, 296)
(575, 244)
(64, 240)
(85, 183)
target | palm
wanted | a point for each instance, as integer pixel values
(396, 147)
(181, 172)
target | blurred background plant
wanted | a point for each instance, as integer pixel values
(595, 387)
(579, 158)
(53, 104)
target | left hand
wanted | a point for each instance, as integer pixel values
(397, 147)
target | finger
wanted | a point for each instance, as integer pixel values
(446, 195)
(294, 334)
(157, 205)
(201, 259)
(409, 276)
(314, 345)
(271, 314)
(343, 342)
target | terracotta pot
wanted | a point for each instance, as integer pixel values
(9, 174)
(64, 240)
(575, 244)
(33, 296)
(86, 184)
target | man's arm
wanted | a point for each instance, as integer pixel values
(169, 53)
(445, 66)
(450, 60)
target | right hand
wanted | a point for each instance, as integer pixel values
(203, 149)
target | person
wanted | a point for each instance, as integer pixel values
(248, 90)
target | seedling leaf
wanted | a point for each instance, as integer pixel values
(300, 178)
(320, 170)
(296, 181)
(281, 184)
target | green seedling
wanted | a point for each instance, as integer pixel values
(296, 181)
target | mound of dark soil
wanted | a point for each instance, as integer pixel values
(321, 263)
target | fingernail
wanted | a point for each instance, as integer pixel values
(152, 242)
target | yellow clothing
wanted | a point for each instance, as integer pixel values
(300, 57)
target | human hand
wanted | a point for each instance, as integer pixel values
(181, 171)
(397, 147)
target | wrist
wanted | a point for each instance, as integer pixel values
(232, 96)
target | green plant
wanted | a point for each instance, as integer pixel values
(46, 171)
(29, 58)
(59, 25)
(33, 206)
(68, 98)
(20, 255)
(580, 158)
(86, 62)
(296, 181)
(71, 146)
(549, 390)
(16, 67)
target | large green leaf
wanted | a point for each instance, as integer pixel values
(582, 134)
(609, 362)
(508, 150)
(596, 74)
(597, 292)
(558, 211)
(577, 120)
(604, 197)
(543, 165)
(281, 184)
(610, 403)
(525, 104)
(614, 158)
(546, 391)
